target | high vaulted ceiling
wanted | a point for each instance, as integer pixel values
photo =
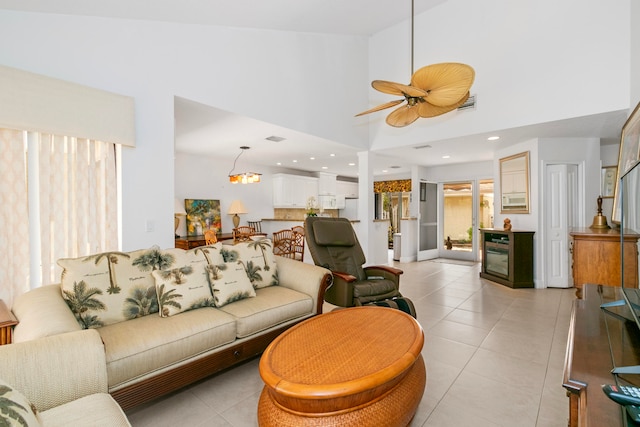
(220, 133)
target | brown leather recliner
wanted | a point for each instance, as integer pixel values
(333, 244)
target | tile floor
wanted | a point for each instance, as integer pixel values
(494, 357)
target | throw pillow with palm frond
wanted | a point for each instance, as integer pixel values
(15, 409)
(229, 282)
(257, 259)
(181, 289)
(111, 287)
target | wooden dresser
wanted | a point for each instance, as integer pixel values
(596, 257)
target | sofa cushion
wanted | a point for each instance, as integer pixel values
(229, 283)
(97, 409)
(271, 306)
(148, 344)
(183, 288)
(111, 287)
(258, 261)
(16, 409)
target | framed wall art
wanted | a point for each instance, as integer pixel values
(608, 176)
(202, 215)
(627, 156)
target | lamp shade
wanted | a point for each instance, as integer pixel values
(178, 207)
(237, 208)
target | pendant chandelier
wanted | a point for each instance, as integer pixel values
(245, 177)
(434, 90)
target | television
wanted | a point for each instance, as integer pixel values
(629, 186)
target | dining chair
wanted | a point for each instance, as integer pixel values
(210, 237)
(257, 225)
(243, 233)
(298, 247)
(283, 243)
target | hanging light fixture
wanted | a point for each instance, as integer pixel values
(245, 177)
(434, 90)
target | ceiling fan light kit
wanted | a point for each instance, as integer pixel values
(434, 90)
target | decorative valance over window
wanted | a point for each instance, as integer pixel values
(38, 103)
(395, 186)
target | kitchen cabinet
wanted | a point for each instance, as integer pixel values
(326, 184)
(293, 191)
(348, 189)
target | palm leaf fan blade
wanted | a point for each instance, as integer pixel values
(381, 107)
(397, 88)
(446, 83)
(403, 116)
(426, 110)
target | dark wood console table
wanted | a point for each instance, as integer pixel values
(190, 242)
(597, 342)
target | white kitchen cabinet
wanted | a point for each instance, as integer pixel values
(347, 188)
(326, 183)
(293, 191)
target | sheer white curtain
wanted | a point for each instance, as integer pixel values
(14, 216)
(67, 187)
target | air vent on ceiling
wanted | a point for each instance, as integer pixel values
(275, 138)
(420, 147)
(469, 104)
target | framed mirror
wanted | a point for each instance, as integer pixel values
(514, 183)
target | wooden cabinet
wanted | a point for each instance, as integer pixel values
(293, 191)
(7, 322)
(596, 257)
(597, 342)
(507, 257)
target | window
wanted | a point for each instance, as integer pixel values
(58, 199)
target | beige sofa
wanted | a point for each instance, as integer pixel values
(149, 355)
(64, 377)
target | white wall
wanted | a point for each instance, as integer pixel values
(535, 61)
(266, 75)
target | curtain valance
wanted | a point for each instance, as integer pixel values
(395, 186)
(38, 103)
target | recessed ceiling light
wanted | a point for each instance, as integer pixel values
(312, 158)
(325, 167)
(493, 138)
(295, 161)
(352, 164)
(279, 163)
(332, 155)
(384, 171)
(446, 157)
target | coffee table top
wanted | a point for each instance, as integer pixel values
(343, 353)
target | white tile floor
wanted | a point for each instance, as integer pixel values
(494, 357)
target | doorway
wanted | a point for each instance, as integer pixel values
(467, 206)
(428, 230)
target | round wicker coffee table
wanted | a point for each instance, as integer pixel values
(358, 366)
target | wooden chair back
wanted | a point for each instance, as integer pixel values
(284, 243)
(257, 225)
(298, 235)
(210, 237)
(243, 233)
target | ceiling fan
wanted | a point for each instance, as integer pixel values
(434, 90)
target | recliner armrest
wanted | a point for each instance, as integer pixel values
(385, 268)
(345, 276)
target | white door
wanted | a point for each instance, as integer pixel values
(561, 183)
(428, 230)
(458, 220)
